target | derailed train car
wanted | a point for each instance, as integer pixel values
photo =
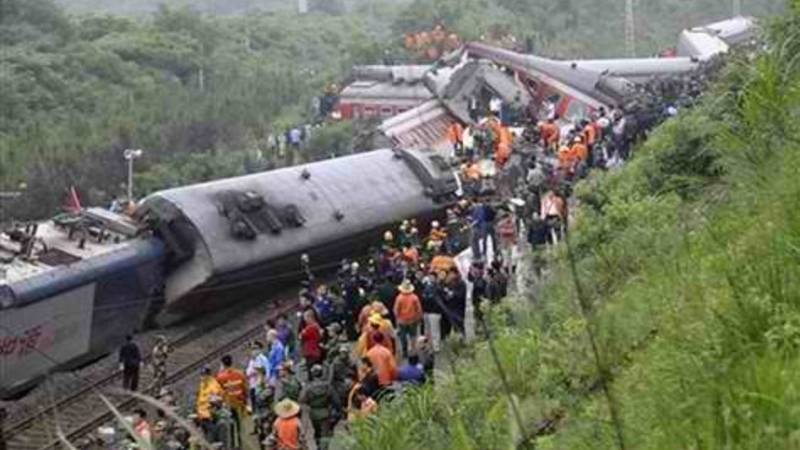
(72, 288)
(243, 236)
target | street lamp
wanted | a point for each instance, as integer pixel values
(130, 155)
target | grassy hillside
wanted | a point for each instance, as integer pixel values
(687, 262)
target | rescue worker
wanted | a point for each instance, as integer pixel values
(235, 388)
(159, 357)
(581, 152)
(287, 429)
(503, 149)
(455, 134)
(383, 361)
(408, 313)
(567, 160)
(376, 325)
(437, 235)
(410, 255)
(442, 262)
(262, 399)
(209, 387)
(318, 395)
(288, 386)
(550, 134)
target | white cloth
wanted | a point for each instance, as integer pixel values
(433, 330)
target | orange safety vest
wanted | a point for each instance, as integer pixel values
(455, 132)
(234, 383)
(287, 432)
(580, 151)
(442, 263)
(590, 134)
(502, 154)
(566, 157)
(550, 133)
(385, 365)
(411, 256)
(407, 309)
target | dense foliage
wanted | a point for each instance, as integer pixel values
(688, 264)
(193, 91)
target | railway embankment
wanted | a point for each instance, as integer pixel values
(669, 319)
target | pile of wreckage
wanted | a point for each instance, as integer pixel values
(416, 104)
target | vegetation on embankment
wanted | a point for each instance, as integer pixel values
(689, 262)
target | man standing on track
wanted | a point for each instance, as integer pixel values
(130, 358)
(234, 383)
(408, 312)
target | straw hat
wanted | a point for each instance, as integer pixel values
(287, 408)
(375, 319)
(406, 287)
(377, 307)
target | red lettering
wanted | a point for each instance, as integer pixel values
(7, 345)
(22, 343)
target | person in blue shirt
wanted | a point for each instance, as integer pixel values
(324, 305)
(275, 357)
(411, 372)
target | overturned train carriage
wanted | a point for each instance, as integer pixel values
(240, 237)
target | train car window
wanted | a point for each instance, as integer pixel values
(7, 296)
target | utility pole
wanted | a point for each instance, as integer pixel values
(630, 29)
(130, 155)
(737, 8)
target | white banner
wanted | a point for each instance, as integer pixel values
(37, 337)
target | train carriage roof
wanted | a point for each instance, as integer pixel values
(332, 199)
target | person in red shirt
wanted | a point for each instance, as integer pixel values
(311, 340)
(383, 361)
(408, 312)
(235, 388)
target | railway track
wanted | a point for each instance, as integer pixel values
(79, 413)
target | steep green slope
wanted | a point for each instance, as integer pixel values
(688, 264)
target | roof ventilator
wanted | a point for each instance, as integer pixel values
(249, 214)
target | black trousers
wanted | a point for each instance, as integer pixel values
(130, 378)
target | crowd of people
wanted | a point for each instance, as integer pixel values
(360, 339)
(356, 342)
